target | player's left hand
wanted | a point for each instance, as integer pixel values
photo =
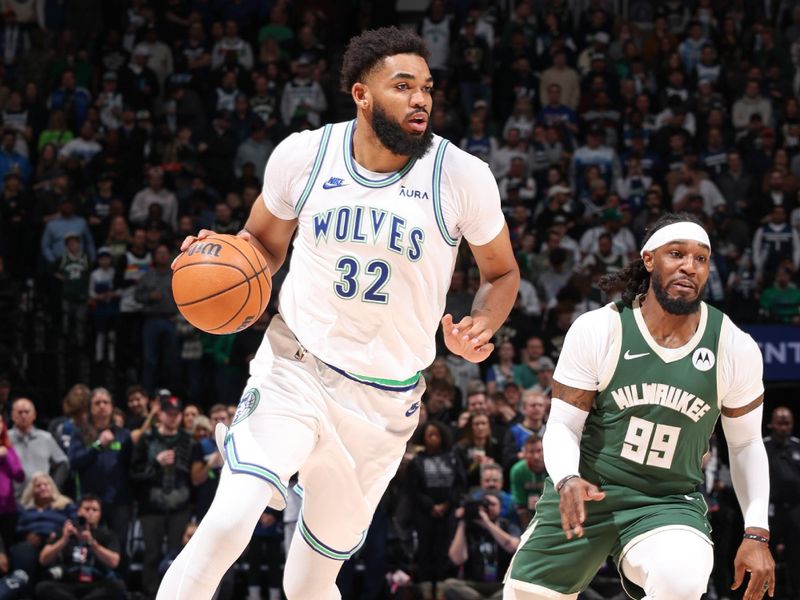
(755, 558)
(469, 338)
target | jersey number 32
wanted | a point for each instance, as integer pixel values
(347, 286)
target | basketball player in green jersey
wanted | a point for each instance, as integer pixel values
(638, 389)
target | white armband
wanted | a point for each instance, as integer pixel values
(562, 440)
(749, 466)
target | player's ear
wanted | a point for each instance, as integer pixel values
(648, 258)
(360, 94)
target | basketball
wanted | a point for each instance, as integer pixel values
(221, 284)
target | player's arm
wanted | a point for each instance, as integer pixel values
(493, 301)
(750, 476)
(742, 406)
(269, 234)
(562, 454)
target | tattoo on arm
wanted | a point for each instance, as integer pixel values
(583, 399)
(742, 410)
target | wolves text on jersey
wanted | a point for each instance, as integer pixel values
(663, 395)
(364, 225)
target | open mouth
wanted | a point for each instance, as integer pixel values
(418, 122)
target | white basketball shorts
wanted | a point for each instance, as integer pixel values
(345, 438)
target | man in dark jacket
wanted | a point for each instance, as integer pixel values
(783, 450)
(161, 468)
(82, 559)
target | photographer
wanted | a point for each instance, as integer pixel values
(482, 546)
(82, 559)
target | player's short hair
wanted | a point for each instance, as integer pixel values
(634, 280)
(366, 51)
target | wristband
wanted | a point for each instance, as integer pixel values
(561, 483)
(756, 537)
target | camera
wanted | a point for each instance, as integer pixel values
(81, 523)
(472, 507)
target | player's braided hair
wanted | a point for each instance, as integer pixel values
(634, 279)
(364, 52)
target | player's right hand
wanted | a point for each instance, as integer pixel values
(574, 494)
(191, 239)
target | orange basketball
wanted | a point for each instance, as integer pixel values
(221, 284)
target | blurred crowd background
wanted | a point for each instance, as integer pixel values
(128, 124)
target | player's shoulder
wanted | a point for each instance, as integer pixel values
(304, 141)
(600, 320)
(460, 161)
(738, 344)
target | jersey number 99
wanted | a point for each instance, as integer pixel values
(348, 285)
(645, 446)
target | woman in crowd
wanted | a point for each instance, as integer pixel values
(435, 483)
(477, 446)
(10, 472)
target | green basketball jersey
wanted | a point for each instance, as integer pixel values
(650, 426)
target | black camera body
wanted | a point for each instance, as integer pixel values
(81, 523)
(472, 507)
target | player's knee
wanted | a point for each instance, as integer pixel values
(677, 581)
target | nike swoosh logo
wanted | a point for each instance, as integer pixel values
(689, 498)
(328, 185)
(629, 356)
(413, 409)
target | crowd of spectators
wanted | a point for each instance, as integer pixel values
(128, 125)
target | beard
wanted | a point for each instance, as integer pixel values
(392, 135)
(674, 306)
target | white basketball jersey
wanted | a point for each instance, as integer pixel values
(374, 252)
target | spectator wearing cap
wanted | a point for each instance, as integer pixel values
(104, 300)
(303, 100)
(100, 456)
(159, 335)
(71, 98)
(73, 272)
(566, 77)
(110, 101)
(82, 148)
(751, 103)
(154, 193)
(231, 50)
(57, 228)
(11, 160)
(256, 149)
(138, 83)
(544, 373)
(160, 472)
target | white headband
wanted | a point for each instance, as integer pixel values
(685, 230)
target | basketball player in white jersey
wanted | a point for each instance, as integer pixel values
(379, 206)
